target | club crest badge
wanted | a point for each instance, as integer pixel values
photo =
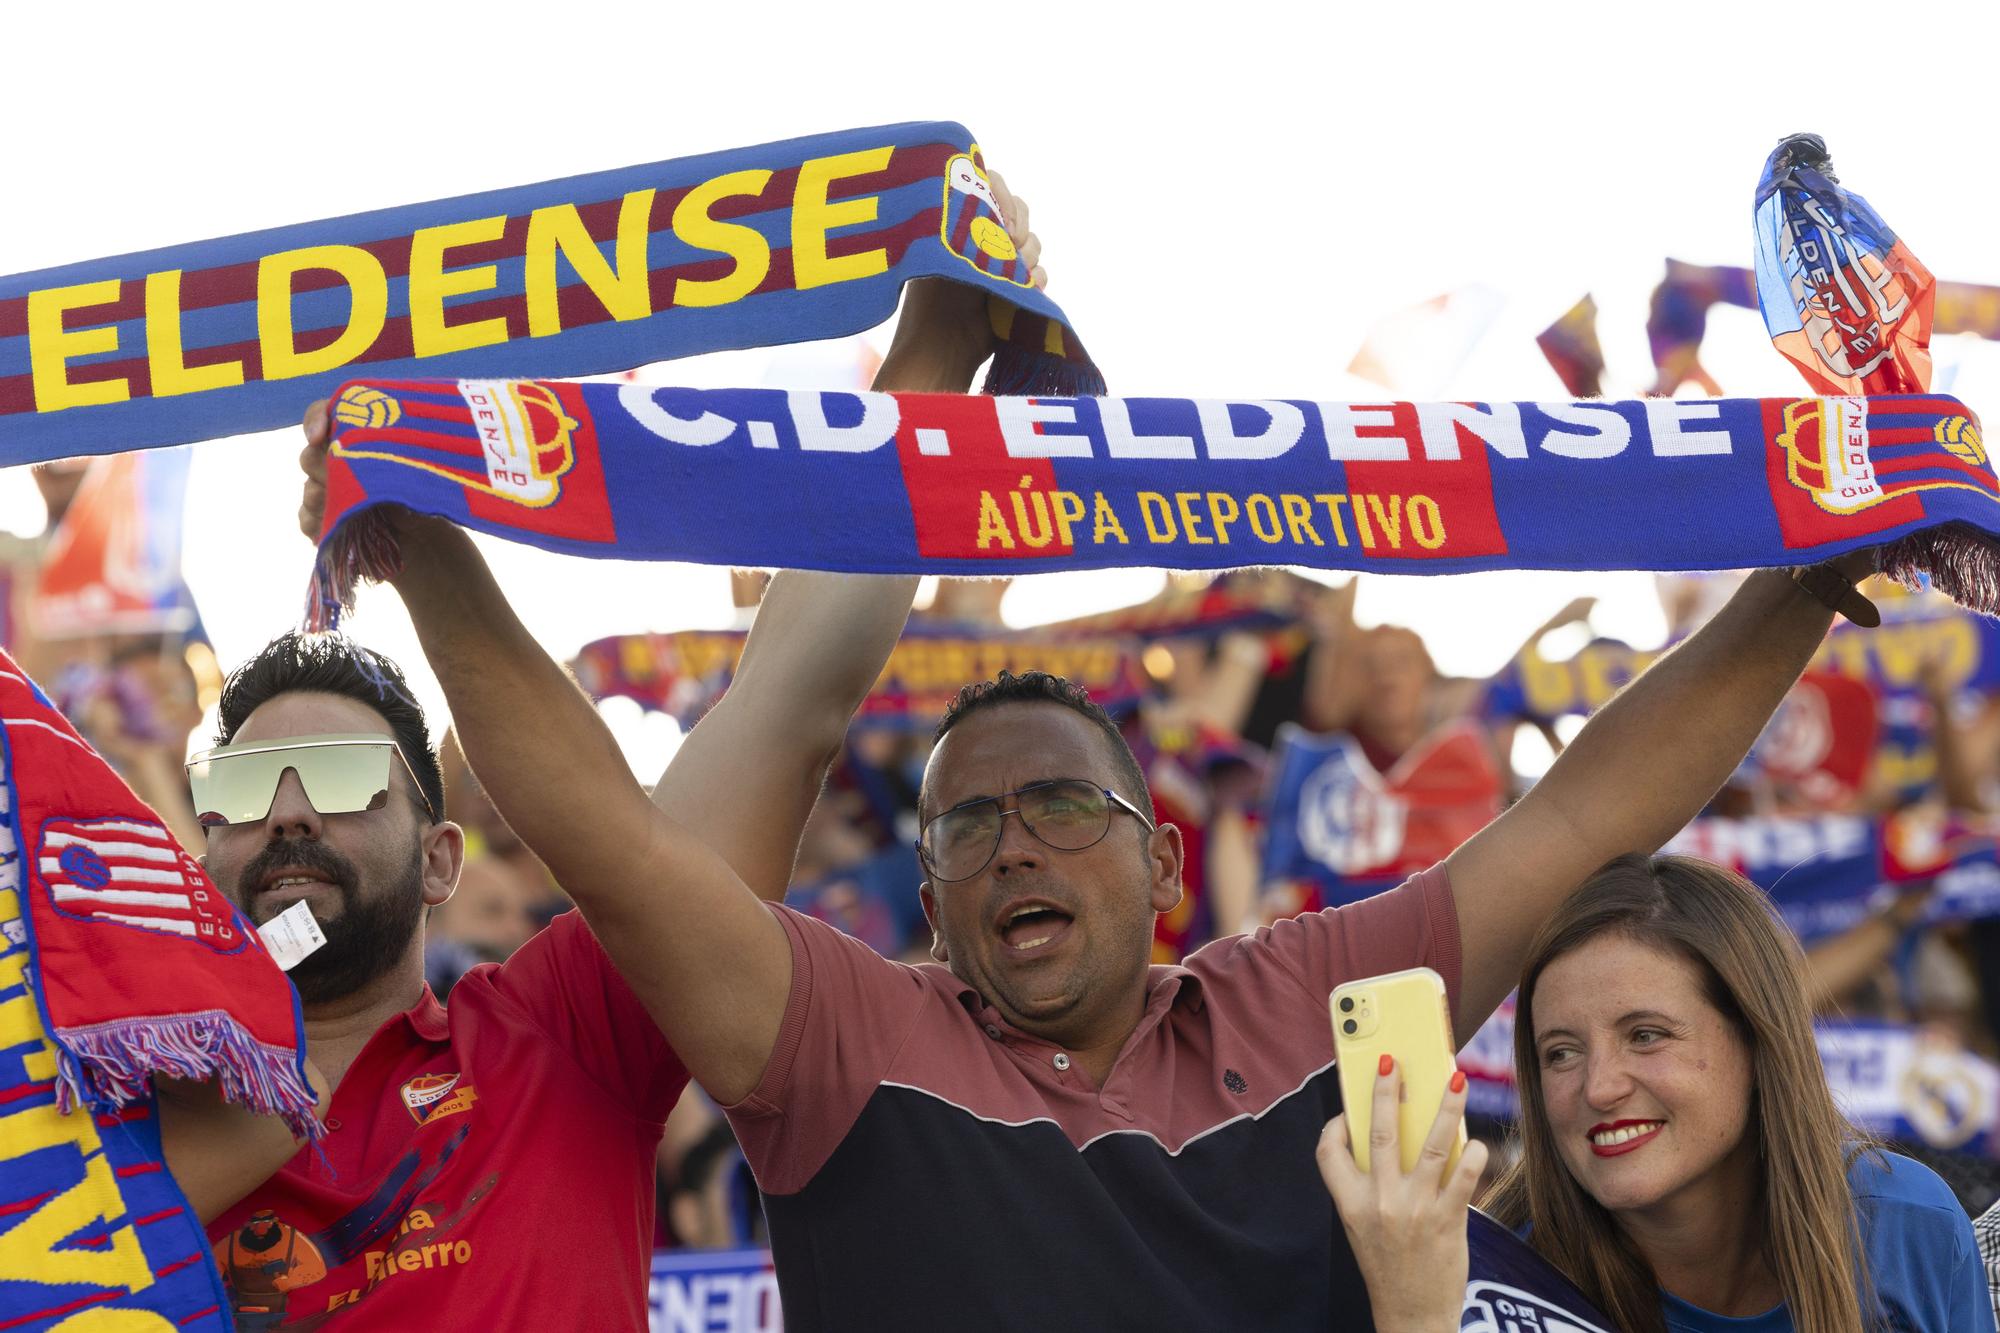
(1827, 454)
(972, 227)
(430, 1097)
(518, 449)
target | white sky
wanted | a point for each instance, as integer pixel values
(1230, 196)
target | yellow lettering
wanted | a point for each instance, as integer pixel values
(1264, 524)
(430, 284)
(50, 346)
(1426, 522)
(744, 244)
(622, 286)
(1360, 512)
(993, 523)
(1217, 502)
(813, 217)
(1390, 519)
(1104, 519)
(418, 1220)
(1042, 533)
(1148, 502)
(28, 1250)
(368, 290)
(1299, 519)
(1333, 504)
(1069, 508)
(114, 1321)
(166, 359)
(1184, 502)
(462, 1251)
(1546, 685)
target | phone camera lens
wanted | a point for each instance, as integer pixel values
(1347, 1004)
(1350, 1027)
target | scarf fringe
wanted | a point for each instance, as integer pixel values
(362, 547)
(1017, 372)
(1963, 563)
(112, 1065)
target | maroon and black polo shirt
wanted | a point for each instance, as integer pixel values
(925, 1165)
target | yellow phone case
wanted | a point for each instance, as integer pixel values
(1405, 1015)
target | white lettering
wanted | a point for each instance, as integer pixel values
(1020, 416)
(879, 417)
(1674, 435)
(1607, 432)
(1283, 426)
(1121, 441)
(1343, 422)
(1496, 424)
(640, 404)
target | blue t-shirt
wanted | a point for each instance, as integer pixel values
(1922, 1258)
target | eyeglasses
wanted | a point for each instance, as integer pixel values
(342, 773)
(1069, 815)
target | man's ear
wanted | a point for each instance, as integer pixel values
(928, 898)
(1164, 854)
(444, 857)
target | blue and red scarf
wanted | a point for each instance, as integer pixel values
(119, 960)
(968, 484)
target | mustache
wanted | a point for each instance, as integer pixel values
(305, 854)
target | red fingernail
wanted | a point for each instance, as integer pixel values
(1458, 1081)
(1388, 1063)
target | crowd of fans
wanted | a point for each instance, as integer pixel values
(1229, 667)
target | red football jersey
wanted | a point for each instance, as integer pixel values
(491, 1163)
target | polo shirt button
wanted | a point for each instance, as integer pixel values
(332, 1123)
(993, 1032)
(1062, 1060)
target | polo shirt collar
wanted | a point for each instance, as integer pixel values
(427, 1018)
(1166, 986)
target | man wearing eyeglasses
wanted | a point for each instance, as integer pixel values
(1042, 1130)
(490, 1163)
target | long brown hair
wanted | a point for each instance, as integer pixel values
(1754, 975)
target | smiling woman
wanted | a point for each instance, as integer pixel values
(1682, 1157)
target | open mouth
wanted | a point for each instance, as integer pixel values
(1623, 1137)
(1028, 927)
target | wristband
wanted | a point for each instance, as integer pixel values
(1831, 589)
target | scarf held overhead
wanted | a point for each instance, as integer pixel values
(785, 242)
(969, 484)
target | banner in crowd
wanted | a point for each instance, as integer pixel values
(784, 242)
(971, 484)
(682, 673)
(113, 565)
(713, 1291)
(1337, 831)
(1509, 1289)
(1829, 872)
(1900, 1083)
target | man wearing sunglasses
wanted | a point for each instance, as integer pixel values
(490, 1162)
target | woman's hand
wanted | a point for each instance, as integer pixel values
(1408, 1232)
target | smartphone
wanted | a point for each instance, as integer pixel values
(1405, 1015)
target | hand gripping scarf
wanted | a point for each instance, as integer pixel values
(118, 961)
(784, 242)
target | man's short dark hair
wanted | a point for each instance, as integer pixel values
(295, 663)
(1041, 687)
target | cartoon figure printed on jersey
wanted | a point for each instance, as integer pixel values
(972, 228)
(517, 447)
(262, 1262)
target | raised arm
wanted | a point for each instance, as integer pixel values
(1643, 766)
(664, 886)
(820, 640)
